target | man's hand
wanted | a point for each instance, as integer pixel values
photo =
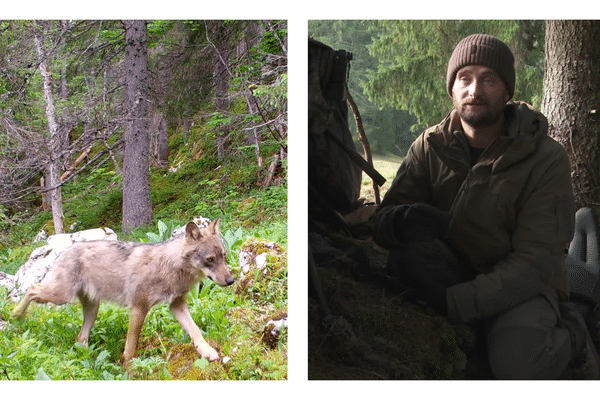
(420, 223)
(429, 294)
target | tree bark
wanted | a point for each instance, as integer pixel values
(572, 98)
(162, 144)
(54, 140)
(137, 204)
(221, 77)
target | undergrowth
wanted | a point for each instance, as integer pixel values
(43, 344)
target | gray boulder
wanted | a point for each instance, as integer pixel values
(42, 259)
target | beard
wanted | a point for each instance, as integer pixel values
(480, 114)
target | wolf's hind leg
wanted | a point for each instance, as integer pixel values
(41, 294)
(90, 311)
(180, 309)
(23, 304)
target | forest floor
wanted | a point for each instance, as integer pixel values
(375, 333)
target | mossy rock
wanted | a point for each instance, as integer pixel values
(261, 261)
(270, 335)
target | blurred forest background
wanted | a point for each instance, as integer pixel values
(397, 76)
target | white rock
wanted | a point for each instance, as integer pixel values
(7, 280)
(248, 259)
(94, 234)
(40, 237)
(200, 221)
(277, 325)
(42, 259)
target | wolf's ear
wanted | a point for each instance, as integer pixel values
(192, 231)
(214, 226)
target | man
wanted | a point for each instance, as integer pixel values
(478, 218)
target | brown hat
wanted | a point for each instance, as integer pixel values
(486, 50)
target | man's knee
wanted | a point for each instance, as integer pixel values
(525, 352)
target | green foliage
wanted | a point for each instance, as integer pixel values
(165, 230)
(46, 345)
(413, 58)
(218, 119)
(232, 239)
(158, 29)
(270, 43)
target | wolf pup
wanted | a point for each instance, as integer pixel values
(138, 276)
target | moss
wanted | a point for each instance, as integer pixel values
(275, 267)
(181, 359)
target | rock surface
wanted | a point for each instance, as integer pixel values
(42, 259)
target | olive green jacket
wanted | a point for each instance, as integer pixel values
(513, 212)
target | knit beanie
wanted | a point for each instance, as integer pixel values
(486, 50)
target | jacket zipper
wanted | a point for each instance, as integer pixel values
(457, 205)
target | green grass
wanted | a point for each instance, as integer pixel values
(43, 344)
(387, 166)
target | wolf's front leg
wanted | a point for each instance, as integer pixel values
(180, 309)
(136, 321)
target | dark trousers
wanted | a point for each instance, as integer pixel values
(525, 342)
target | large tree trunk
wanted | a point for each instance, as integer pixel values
(221, 75)
(137, 204)
(54, 141)
(572, 98)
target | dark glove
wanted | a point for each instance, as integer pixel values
(429, 294)
(420, 223)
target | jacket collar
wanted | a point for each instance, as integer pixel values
(525, 128)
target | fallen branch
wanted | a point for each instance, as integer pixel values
(100, 154)
(271, 171)
(81, 157)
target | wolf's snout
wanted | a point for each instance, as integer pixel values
(223, 282)
(229, 280)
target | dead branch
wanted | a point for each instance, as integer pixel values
(92, 161)
(271, 171)
(78, 161)
(362, 137)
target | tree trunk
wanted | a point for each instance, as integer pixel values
(53, 142)
(162, 143)
(572, 98)
(249, 40)
(253, 136)
(221, 76)
(137, 204)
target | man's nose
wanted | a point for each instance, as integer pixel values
(475, 88)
